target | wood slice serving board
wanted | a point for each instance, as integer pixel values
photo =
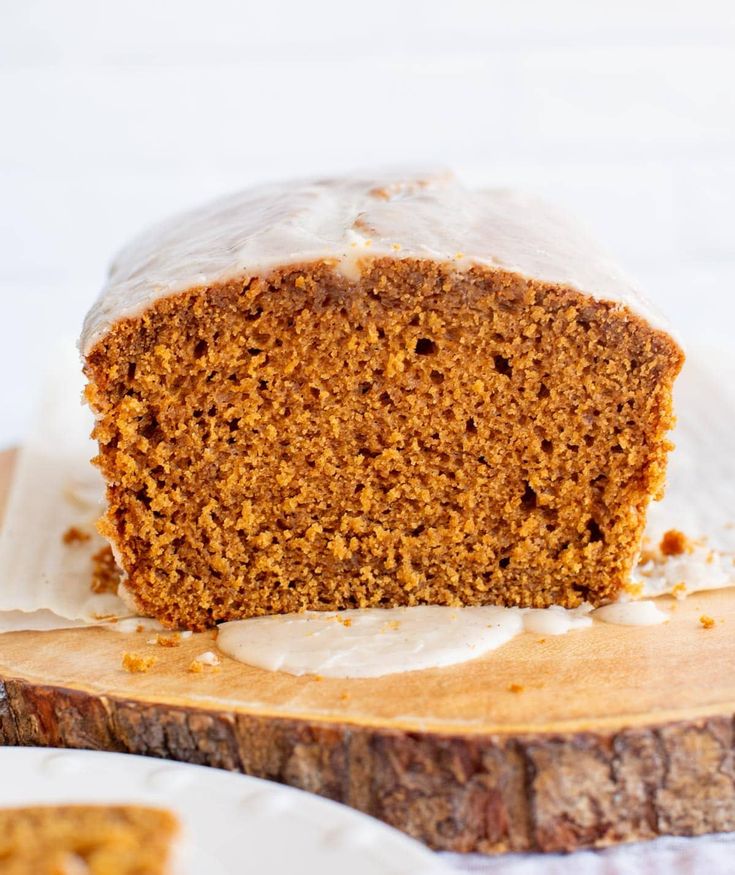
(606, 735)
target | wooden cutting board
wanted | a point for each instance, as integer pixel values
(605, 735)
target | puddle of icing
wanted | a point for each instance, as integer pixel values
(643, 613)
(554, 620)
(372, 642)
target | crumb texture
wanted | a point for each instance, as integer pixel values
(418, 434)
(95, 840)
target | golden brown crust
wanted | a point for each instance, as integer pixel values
(421, 435)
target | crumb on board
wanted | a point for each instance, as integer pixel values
(105, 573)
(707, 621)
(515, 688)
(75, 535)
(137, 663)
(172, 640)
(344, 697)
(345, 621)
(675, 543)
(208, 659)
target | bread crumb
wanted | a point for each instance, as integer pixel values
(344, 697)
(208, 659)
(75, 535)
(173, 640)
(707, 621)
(679, 590)
(515, 688)
(136, 663)
(674, 543)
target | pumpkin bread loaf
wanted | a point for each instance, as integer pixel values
(374, 392)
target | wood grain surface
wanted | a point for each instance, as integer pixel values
(606, 735)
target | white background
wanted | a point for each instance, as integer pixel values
(113, 114)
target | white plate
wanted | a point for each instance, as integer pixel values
(232, 824)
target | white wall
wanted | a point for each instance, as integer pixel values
(113, 114)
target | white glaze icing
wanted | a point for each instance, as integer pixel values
(371, 642)
(703, 568)
(346, 220)
(554, 620)
(640, 613)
